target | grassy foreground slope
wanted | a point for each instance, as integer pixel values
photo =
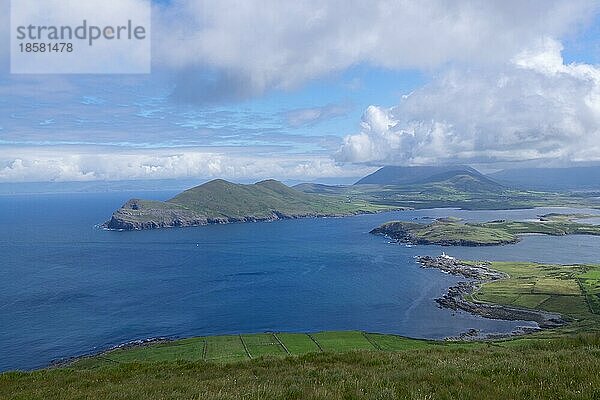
(560, 368)
(453, 232)
(219, 201)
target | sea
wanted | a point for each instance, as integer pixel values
(69, 288)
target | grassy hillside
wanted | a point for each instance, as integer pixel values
(220, 201)
(452, 232)
(564, 368)
(220, 198)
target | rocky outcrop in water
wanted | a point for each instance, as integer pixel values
(480, 271)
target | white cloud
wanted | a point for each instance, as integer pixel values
(533, 108)
(91, 163)
(252, 46)
(313, 115)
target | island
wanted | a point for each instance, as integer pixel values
(221, 202)
(454, 232)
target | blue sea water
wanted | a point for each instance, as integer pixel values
(68, 288)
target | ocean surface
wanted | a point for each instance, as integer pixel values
(68, 288)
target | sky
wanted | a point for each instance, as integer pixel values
(312, 90)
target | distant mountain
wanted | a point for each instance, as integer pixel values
(462, 178)
(574, 178)
(392, 175)
(219, 201)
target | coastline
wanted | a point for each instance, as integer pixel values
(453, 299)
(478, 274)
(120, 225)
(133, 344)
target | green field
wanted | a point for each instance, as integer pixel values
(590, 283)
(241, 347)
(571, 290)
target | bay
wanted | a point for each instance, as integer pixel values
(68, 288)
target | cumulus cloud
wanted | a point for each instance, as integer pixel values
(534, 108)
(237, 49)
(43, 164)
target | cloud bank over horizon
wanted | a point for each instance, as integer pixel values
(86, 163)
(533, 108)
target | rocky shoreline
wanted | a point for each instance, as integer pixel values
(479, 273)
(62, 362)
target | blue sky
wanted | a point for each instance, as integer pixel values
(335, 98)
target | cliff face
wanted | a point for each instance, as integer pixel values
(134, 216)
(142, 214)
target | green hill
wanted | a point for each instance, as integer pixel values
(219, 201)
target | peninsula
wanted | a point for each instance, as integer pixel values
(221, 202)
(462, 296)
